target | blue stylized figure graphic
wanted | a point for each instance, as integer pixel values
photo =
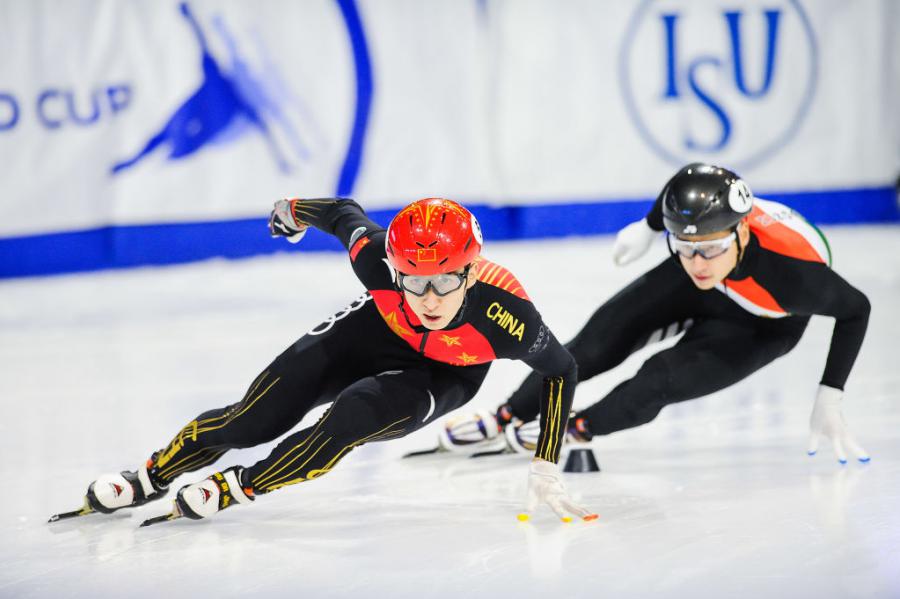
(222, 108)
(253, 89)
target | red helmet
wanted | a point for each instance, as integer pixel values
(432, 236)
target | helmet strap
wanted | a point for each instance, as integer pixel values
(672, 252)
(462, 308)
(740, 254)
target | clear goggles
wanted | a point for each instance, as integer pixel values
(441, 284)
(711, 248)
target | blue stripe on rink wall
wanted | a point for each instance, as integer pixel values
(137, 245)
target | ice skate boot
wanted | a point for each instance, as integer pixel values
(471, 433)
(522, 437)
(111, 492)
(577, 431)
(212, 495)
(207, 497)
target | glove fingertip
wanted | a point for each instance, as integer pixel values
(523, 517)
(811, 452)
(591, 517)
(865, 459)
(566, 519)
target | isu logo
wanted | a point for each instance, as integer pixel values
(117, 489)
(205, 494)
(698, 77)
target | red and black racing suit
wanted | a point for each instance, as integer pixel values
(757, 314)
(386, 374)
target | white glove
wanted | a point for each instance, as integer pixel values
(632, 242)
(283, 224)
(827, 421)
(546, 486)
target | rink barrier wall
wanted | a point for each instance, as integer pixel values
(126, 246)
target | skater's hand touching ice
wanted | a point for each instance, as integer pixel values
(545, 486)
(828, 421)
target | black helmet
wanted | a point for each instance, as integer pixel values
(702, 199)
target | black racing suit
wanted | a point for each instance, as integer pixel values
(384, 373)
(756, 315)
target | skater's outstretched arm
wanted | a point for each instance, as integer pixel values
(346, 220)
(545, 484)
(343, 218)
(808, 288)
(560, 374)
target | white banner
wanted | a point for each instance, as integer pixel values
(153, 111)
(136, 112)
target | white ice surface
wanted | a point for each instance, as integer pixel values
(716, 498)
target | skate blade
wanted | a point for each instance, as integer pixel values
(423, 452)
(84, 511)
(173, 515)
(490, 452)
